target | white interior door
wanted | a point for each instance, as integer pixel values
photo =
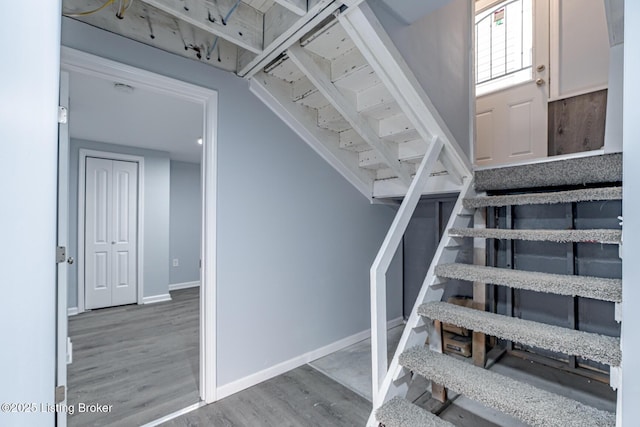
(63, 240)
(512, 61)
(110, 232)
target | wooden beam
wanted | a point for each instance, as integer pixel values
(281, 31)
(299, 7)
(438, 391)
(242, 28)
(322, 81)
(479, 348)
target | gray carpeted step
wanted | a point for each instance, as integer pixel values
(533, 406)
(558, 236)
(577, 171)
(399, 413)
(559, 284)
(596, 347)
(585, 195)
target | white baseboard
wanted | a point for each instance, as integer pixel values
(72, 311)
(295, 362)
(156, 298)
(185, 285)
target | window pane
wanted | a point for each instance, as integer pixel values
(504, 36)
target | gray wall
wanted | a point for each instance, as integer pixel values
(437, 49)
(185, 222)
(156, 215)
(28, 165)
(631, 212)
(295, 240)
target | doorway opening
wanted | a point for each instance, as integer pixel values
(141, 158)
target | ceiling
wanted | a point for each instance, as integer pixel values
(138, 118)
(410, 11)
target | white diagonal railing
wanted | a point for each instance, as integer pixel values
(383, 261)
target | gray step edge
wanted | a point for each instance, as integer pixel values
(582, 195)
(596, 347)
(398, 412)
(608, 236)
(559, 284)
(532, 405)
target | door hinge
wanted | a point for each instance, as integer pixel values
(60, 394)
(61, 254)
(62, 115)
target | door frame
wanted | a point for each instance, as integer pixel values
(78, 61)
(82, 164)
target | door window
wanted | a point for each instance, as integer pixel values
(504, 45)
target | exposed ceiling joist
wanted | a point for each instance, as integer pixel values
(228, 19)
(299, 7)
(322, 81)
(154, 27)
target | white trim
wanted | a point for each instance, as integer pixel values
(579, 92)
(295, 362)
(598, 152)
(185, 285)
(174, 415)
(156, 298)
(77, 61)
(84, 153)
(72, 311)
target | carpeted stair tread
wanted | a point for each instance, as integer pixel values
(559, 284)
(606, 168)
(559, 236)
(596, 347)
(583, 195)
(399, 412)
(533, 406)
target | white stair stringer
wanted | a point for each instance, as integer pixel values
(375, 45)
(397, 379)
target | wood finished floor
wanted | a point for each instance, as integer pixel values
(142, 359)
(302, 397)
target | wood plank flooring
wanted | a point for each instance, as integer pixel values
(302, 397)
(142, 359)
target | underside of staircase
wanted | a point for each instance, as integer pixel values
(593, 182)
(346, 90)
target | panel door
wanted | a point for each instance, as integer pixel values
(124, 233)
(98, 220)
(511, 118)
(110, 233)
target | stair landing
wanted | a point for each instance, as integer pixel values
(605, 168)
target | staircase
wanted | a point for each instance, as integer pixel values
(531, 405)
(345, 89)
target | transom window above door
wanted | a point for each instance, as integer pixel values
(504, 44)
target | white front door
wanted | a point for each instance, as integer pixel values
(512, 61)
(111, 192)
